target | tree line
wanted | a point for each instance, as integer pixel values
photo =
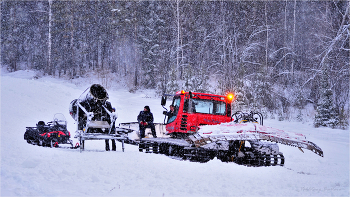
(276, 56)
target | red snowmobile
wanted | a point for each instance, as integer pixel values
(52, 134)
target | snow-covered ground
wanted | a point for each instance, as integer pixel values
(28, 170)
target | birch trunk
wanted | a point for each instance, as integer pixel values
(49, 37)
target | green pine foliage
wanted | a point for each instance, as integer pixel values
(326, 114)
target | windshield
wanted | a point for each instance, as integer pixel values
(176, 103)
(205, 106)
(59, 119)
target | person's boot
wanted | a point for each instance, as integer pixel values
(107, 145)
(114, 147)
(154, 134)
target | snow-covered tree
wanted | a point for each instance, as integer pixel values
(268, 51)
(172, 85)
(326, 113)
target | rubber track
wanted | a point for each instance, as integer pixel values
(193, 154)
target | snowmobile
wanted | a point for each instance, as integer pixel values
(52, 134)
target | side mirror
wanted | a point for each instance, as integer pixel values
(163, 102)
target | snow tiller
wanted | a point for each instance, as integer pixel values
(201, 127)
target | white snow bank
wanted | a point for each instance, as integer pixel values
(24, 74)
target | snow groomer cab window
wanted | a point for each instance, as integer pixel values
(176, 103)
(205, 106)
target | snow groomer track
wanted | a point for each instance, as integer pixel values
(247, 144)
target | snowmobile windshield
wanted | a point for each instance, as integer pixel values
(59, 119)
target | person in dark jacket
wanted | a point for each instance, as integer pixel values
(145, 119)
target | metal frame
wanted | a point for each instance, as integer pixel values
(83, 135)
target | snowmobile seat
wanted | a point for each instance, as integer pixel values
(41, 127)
(40, 123)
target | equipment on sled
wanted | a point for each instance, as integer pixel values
(52, 134)
(95, 118)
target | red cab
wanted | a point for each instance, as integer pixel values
(195, 109)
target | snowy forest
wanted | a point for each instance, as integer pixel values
(278, 57)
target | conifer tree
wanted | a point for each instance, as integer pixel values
(325, 114)
(172, 85)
